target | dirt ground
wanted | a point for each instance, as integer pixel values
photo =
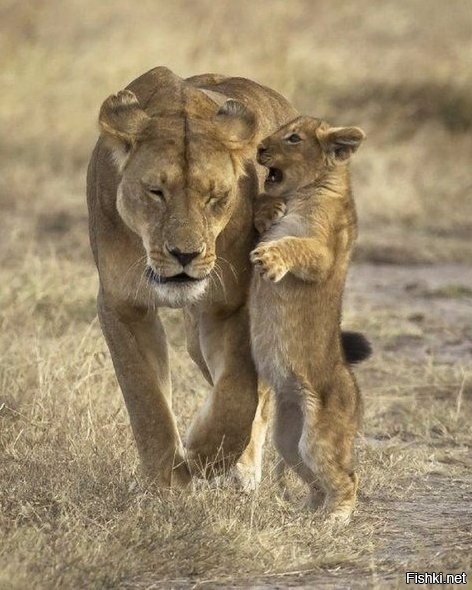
(76, 514)
(430, 527)
(419, 318)
(74, 511)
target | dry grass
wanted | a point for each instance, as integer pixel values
(74, 513)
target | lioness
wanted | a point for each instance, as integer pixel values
(170, 190)
(296, 296)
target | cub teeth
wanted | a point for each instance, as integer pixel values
(274, 175)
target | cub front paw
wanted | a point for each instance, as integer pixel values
(269, 262)
(268, 214)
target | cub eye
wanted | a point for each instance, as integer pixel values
(156, 192)
(294, 138)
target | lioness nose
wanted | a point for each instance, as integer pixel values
(184, 257)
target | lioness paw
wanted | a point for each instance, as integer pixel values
(246, 477)
(268, 214)
(269, 261)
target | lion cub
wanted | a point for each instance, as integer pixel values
(308, 223)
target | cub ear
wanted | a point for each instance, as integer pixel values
(340, 142)
(235, 125)
(121, 121)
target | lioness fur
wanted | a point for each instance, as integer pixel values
(170, 191)
(309, 221)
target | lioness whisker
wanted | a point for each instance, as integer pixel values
(230, 266)
(132, 266)
(217, 268)
(143, 273)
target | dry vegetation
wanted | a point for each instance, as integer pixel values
(74, 512)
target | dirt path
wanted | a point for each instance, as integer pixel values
(430, 310)
(76, 514)
(420, 320)
(431, 527)
(437, 299)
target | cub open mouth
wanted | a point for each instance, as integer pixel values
(182, 277)
(274, 176)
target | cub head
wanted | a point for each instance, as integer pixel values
(302, 151)
(178, 184)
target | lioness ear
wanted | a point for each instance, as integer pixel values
(340, 142)
(121, 120)
(235, 124)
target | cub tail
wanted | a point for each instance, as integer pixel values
(356, 347)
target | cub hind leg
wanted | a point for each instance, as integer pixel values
(338, 478)
(288, 428)
(327, 446)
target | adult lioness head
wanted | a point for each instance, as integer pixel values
(178, 185)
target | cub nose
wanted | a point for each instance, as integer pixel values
(183, 257)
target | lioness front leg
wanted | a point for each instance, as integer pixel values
(247, 472)
(138, 347)
(248, 469)
(221, 429)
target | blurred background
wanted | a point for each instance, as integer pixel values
(400, 69)
(73, 511)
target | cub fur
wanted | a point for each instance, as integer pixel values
(308, 219)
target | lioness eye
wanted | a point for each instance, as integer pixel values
(218, 199)
(294, 138)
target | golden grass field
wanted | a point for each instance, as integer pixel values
(74, 512)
